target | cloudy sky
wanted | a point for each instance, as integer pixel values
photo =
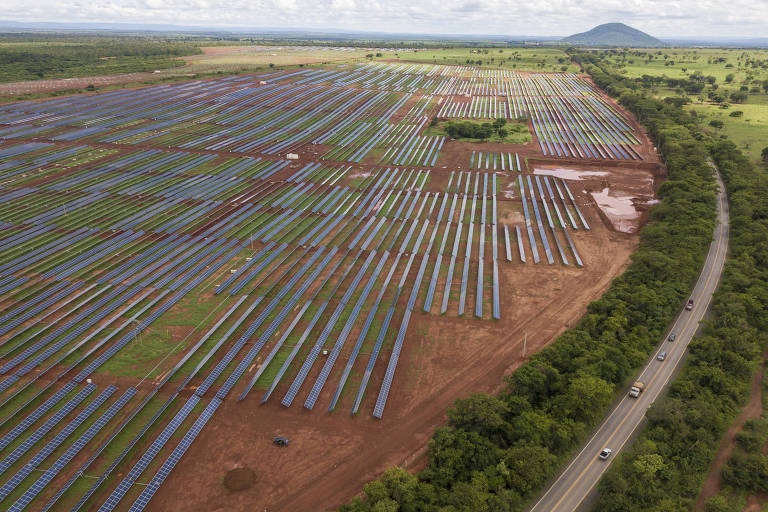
(661, 18)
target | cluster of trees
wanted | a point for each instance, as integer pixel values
(747, 468)
(497, 452)
(470, 130)
(685, 427)
(67, 56)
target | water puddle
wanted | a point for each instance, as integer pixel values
(620, 210)
(569, 174)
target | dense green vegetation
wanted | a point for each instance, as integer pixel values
(497, 452)
(31, 57)
(684, 428)
(475, 131)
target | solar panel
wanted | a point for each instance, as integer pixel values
(54, 443)
(46, 427)
(35, 415)
(127, 482)
(149, 491)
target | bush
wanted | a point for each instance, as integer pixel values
(468, 130)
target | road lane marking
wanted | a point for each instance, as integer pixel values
(713, 266)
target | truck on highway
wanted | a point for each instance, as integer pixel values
(636, 389)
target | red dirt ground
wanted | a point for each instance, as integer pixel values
(331, 456)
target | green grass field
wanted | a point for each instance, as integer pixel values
(749, 70)
(523, 59)
(682, 62)
(749, 132)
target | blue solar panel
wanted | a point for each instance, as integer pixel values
(335, 351)
(381, 400)
(38, 413)
(46, 427)
(70, 453)
(124, 486)
(54, 443)
(178, 452)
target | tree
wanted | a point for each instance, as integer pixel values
(503, 132)
(586, 396)
(485, 131)
(716, 124)
(729, 77)
(648, 465)
(718, 503)
(764, 154)
(479, 413)
(739, 96)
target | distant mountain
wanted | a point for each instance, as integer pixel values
(612, 34)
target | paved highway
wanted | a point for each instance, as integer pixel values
(579, 479)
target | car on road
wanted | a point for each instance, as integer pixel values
(689, 306)
(672, 337)
(281, 441)
(605, 453)
(662, 356)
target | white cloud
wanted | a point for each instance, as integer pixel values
(675, 18)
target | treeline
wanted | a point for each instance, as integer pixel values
(48, 57)
(497, 452)
(694, 84)
(685, 427)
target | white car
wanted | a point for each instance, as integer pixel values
(605, 453)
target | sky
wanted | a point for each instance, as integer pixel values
(660, 18)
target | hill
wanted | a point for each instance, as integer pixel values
(613, 34)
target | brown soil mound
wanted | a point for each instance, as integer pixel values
(239, 479)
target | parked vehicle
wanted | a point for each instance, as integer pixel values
(281, 441)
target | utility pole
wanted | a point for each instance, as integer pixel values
(525, 343)
(137, 332)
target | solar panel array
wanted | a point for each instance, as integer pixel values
(118, 208)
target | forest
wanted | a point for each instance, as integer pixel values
(40, 56)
